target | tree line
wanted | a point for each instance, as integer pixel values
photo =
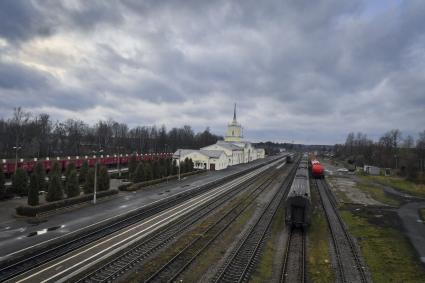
(152, 170)
(73, 181)
(392, 150)
(40, 136)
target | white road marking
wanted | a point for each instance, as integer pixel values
(280, 166)
(104, 220)
(152, 228)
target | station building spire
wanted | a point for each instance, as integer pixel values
(234, 130)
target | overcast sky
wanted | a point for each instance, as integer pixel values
(307, 71)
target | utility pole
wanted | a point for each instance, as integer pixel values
(179, 162)
(95, 176)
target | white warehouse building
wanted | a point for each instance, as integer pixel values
(232, 151)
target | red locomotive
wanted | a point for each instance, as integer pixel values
(317, 169)
(8, 165)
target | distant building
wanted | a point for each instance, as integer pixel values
(232, 151)
(203, 159)
(371, 170)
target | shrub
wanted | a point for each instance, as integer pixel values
(83, 172)
(72, 187)
(20, 182)
(148, 172)
(132, 165)
(139, 174)
(56, 169)
(69, 169)
(55, 190)
(40, 172)
(33, 190)
(89, 184)
(34, 210)
(103, 179)
(124, 187)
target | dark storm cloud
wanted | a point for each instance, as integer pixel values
(318, 69)
(20, 77)
(20, 20)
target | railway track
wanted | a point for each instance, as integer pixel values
(117, 266)
(171, 270)
(104, 246)
(47, 253)
(349, 263)
(241, 262)
(294, 267)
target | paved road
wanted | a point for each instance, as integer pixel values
(415, 228)
(15, 233)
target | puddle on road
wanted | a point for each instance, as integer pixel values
(44, 231)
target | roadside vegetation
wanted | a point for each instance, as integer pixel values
(403, 155)
(378, 194)
(387, 252)
(399, 184)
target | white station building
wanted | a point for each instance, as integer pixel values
(232, 151)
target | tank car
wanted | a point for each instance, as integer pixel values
(318, 171)
(298, 201)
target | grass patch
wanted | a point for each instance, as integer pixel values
(399, 184)
(378, 194)
(319, 263)
(387, 252)
(319, 259)
(264, 271)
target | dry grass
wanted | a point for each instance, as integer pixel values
(399, 184)
(387, 252)
(378, 194)
(319, 261)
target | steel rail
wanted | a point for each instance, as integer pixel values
(119, 265)
(340, 240)
(170, 271)
(239, 265)
(42, 256)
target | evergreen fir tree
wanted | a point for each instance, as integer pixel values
(132, 165)
(148, 172)
(40, 172)
(83, 172)
(20, 182)
(139, 174)
(72, 186)
(33, 190)
(56, 169)
(55, 190)
(89, 184)
(156, 169)
(103, 179)
(69, 169)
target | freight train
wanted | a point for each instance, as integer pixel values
(298, 201)
(8, 165)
